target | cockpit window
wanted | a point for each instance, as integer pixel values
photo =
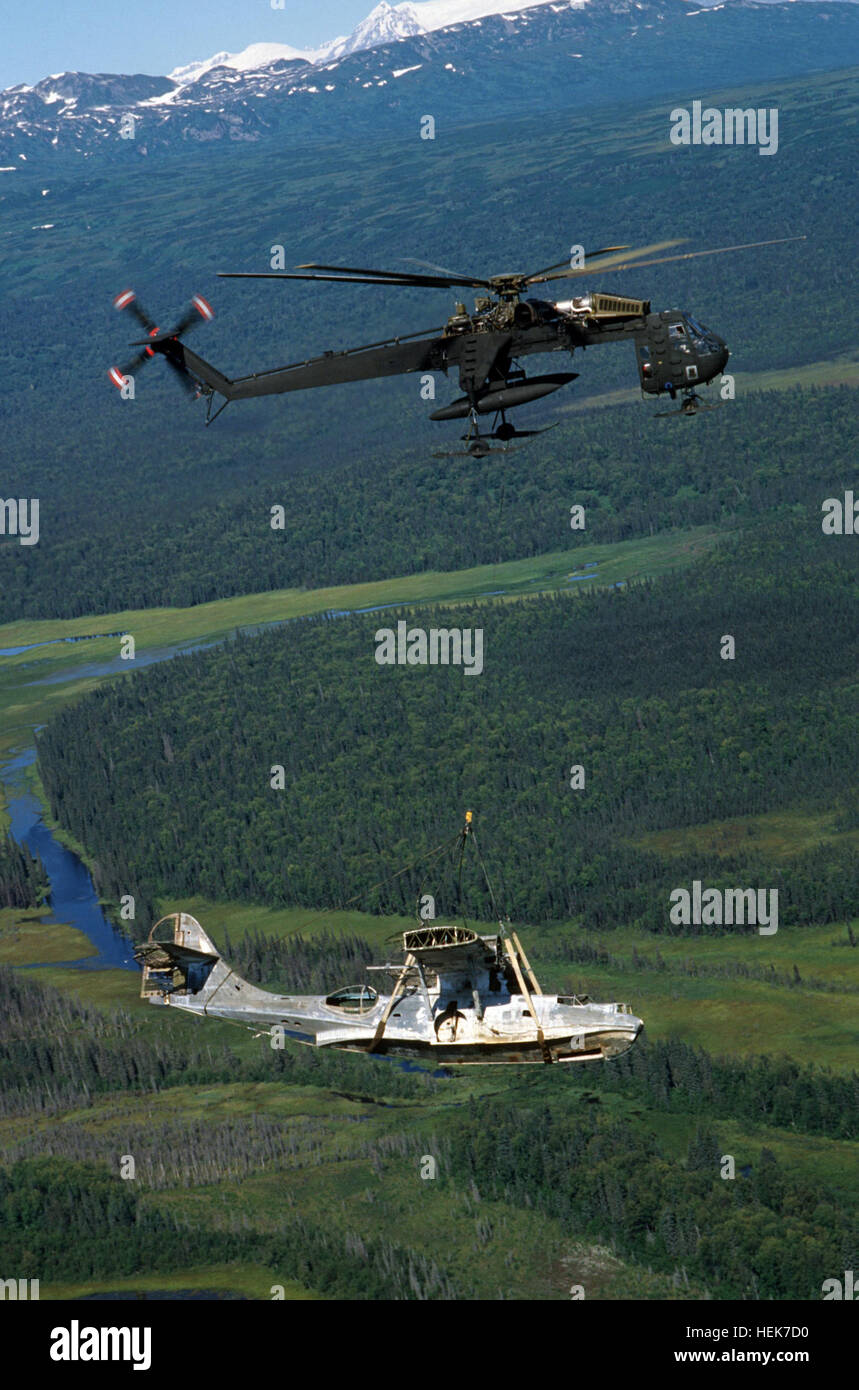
(676, 330)
(702, 336)
(353, 999)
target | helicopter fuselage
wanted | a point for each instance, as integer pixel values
(673, 351)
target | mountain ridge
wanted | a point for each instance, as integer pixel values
(550, 56)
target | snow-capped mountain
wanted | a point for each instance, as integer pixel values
(550, 56)
(385, 24)
(256, 55)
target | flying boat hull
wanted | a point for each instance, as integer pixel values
(458, 999)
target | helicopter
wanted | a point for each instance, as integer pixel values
(675, 353)
(457, 998)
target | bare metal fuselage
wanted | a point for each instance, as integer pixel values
(459, 998)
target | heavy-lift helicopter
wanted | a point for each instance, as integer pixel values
(456, 998)
(675, 354)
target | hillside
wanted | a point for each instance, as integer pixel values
(630, 684)
(195, 504)
(550, 57)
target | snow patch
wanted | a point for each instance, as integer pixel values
(164, 99)
(256, 55)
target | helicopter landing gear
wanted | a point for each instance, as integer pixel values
(689, 405)
(505, 430)
(478, 445)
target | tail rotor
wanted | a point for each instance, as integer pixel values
(156, 343)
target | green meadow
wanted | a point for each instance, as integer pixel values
(26, 701)
(778, 834)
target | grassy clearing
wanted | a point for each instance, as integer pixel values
(825, 1163)
(729, 1017)
(216, 1103)
(157, 627)
(778, 835)
(25, 707)
(240, 919)
(820, 952)
(25, 704)
(27, 938)
(101, 989)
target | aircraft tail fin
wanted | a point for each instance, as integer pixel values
(177, 957)
(180, 356)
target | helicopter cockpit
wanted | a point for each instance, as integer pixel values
(703, 338)
(676, 353)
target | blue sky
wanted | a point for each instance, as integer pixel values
(43, 36)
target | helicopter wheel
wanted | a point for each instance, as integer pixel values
(505, 430)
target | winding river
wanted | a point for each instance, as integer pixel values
(73, 899)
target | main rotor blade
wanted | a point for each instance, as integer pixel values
(683, 256)
(610, 261)
(431, 265)
(449, 277)
(407, 281)
(560, 264)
